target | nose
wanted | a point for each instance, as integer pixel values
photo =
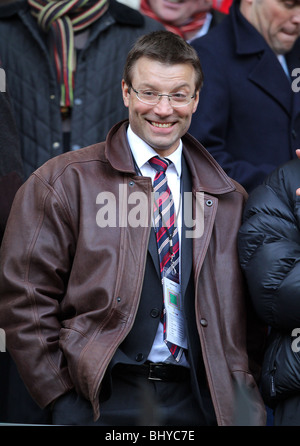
(296, 15)
(163, 107)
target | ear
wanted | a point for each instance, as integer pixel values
(196, 101)
(125, 92)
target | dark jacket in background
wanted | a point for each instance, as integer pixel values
(98, 102)
(217, 17)
(269, 248)
(11, 178)
(248, 116)
(11, 168)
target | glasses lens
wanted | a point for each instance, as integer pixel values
(179, 100)
(153, 98)
(149, 97)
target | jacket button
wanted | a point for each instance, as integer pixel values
(209, 203)
(56, 145)
(203, 322)
(139, 357)
(154, 312)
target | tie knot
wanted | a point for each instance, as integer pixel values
(159, 164)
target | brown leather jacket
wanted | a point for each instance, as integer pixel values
(70, 289)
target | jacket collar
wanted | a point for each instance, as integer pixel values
(247, 39)
(116, 13)
(207, 175)
(125, 15)
(120, 12)
(13, 8)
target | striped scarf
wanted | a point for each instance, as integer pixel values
(194, 24)
(62, 19)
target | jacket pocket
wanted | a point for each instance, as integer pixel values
(268, 386)
(249, 408)
(281, 369)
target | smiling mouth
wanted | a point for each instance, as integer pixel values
(162, 125)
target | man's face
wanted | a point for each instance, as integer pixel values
(178, 12)
(160, 125)
(278, 21)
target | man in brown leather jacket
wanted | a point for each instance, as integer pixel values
(82, 291)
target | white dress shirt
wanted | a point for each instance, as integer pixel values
(204, 29)
(142, 152)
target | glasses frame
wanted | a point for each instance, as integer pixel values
(160, 95)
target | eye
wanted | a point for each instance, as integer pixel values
(289, 4)
(149, 93)
(179, 97)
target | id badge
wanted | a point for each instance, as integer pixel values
(175, 323)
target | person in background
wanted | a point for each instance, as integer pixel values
(64, 62)
(11, 166)
(269, 249)
(11, 178)
(248, 116)
(188, 18)
(102, 304)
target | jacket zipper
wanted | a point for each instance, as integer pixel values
(274, 367)
(273, 389)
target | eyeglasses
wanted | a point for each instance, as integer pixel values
(153, 97)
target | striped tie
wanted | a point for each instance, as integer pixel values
(166, 233)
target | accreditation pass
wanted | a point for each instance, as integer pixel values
(175, 330)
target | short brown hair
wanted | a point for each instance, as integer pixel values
(165, 47)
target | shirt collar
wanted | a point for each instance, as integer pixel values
(142, 152)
